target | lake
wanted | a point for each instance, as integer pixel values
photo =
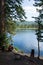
(26, 40)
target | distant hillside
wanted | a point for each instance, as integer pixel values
(27, 23)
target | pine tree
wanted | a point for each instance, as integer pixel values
(9, 10)
(39, 20)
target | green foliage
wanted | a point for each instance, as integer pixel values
(14, 10)
(11, 27)
(16, 49)
(3, 39)
(39, 19)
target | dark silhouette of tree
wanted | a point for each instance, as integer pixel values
(9, 10)
(39, 21)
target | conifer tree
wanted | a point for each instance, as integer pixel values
(39, 20)
(9, 10)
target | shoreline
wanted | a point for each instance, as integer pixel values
(25, 54)
(26, 28)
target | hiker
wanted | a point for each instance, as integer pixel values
(32, 53)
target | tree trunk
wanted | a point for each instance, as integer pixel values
(38, 50)
(2, 16)
(2, 19)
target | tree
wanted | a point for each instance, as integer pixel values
(39, 3)
(10, 10)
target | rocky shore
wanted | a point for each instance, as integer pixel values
(8, 58)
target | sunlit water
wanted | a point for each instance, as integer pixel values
(26, 40)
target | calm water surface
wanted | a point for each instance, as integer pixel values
(26, 40)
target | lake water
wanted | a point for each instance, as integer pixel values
(26, 40)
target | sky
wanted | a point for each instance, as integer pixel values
(29, 9)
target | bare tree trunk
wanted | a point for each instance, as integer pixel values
(38, 50)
